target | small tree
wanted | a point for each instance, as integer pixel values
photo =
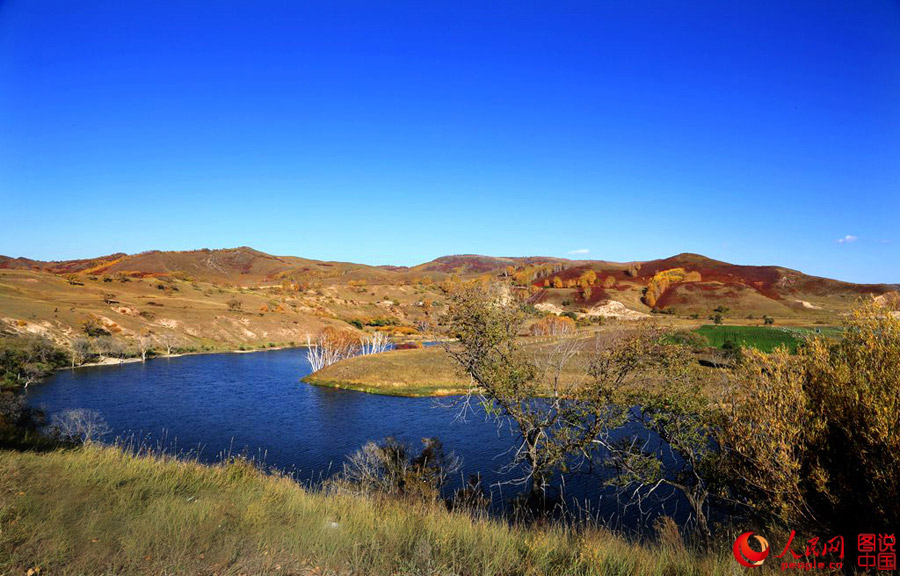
(686, 422)
(94, 328)
(81, 351)
(145, 344)
(109, 347)
(330, 346)
(766, 434)
(374, 343)
(557, 417)
(27, 360)
(553, 326)
(80, 425)
(168, 341)
(392, 468)
(234, 305)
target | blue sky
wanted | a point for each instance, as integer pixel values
(754, 132)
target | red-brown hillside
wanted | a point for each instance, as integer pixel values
(771, 289)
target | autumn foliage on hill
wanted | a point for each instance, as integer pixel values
(661, 281)
(553, 326)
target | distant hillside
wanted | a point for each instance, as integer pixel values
(235, 265)
(473, 264)
(241, 296)
(709, 284)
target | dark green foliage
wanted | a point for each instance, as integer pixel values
(24, 361)
(19, 424)
(94, 328)
(759, 337)
(530, 310)
(732, 349)
(687, 338)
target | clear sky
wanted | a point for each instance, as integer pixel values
(758, 132)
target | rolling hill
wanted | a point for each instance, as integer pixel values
(214, 299)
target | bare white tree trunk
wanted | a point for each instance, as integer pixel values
(168, 341)
(374, 344)
(315, 354)
(325, 351)
(144, 343)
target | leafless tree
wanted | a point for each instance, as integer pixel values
(145, 343)
(81, 351)
(330, 346)
(37, 357)
(29, 374)
(168, 341)
(391, 467)
(374, 343)
(110, 347)
(80, 425)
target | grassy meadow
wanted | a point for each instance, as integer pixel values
(98, 510)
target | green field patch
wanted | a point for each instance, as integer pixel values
(763, 338)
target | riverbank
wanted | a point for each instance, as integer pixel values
(132, 360)
(96, 510)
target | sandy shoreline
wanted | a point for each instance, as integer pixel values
(120, 361)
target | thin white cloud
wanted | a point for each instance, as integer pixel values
(580, 251)
(847, 239)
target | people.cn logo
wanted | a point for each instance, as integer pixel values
(747, 556)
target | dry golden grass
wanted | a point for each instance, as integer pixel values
(96, 510)
(196, 314)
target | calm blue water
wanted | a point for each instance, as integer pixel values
(229, 403)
